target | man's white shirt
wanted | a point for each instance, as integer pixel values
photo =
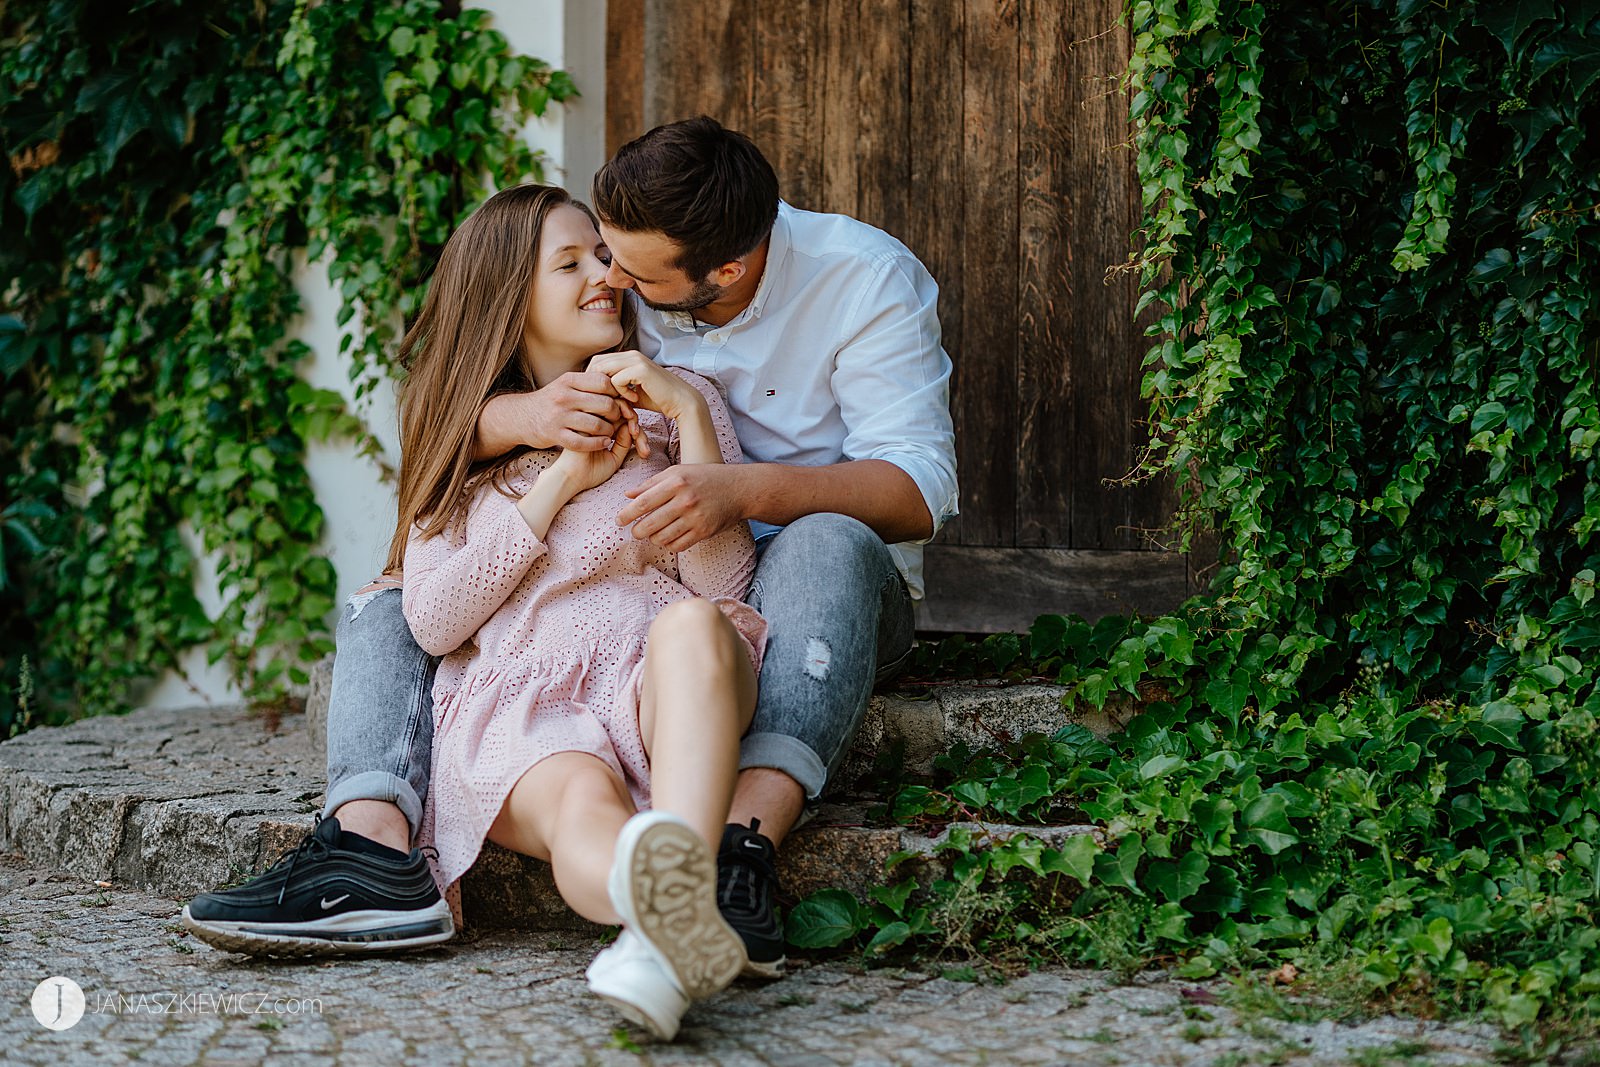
(836, 358)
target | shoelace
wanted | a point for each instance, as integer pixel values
(312, 845)
(738, 890)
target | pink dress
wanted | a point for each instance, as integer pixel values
(546, 639)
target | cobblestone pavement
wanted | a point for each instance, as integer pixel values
(157, 997)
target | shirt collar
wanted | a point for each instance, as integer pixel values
(777, 252)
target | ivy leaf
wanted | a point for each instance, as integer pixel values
(1156, 766)
(15, 346)
(1495, 264)
(1509, 22)
(894, 897)
(1500, 724)
(125, 117)
(1266, 821)
(887, 938)
(824, 919)
(1075, 858)
(1175, 882)
(1221, 894)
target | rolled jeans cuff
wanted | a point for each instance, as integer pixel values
(377, 785)
(787, 754)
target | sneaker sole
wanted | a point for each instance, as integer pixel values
(764, 969)
(353, 933)
(671, 885)
(638, 1016)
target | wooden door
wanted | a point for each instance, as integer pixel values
(991, 137)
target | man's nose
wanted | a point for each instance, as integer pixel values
(617, 278)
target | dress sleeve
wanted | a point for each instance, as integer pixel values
(456, 581)
(719, 566)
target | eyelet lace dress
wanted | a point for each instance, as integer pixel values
(544, 640)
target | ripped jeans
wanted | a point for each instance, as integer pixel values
(839, 620)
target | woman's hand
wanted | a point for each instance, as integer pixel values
(640, 381)
(585, 470)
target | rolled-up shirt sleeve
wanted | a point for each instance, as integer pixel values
(891, 380)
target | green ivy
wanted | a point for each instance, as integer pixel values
(170, 164)
(1370, 241)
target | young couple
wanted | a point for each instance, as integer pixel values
(612, 516)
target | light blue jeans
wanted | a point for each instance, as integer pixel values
(839, 621)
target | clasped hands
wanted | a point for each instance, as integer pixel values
(591, 415)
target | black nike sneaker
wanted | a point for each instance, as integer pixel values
(747, 878)
(336, 893)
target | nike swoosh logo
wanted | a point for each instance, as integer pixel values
(326, 903)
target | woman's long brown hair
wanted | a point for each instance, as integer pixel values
(464, 348)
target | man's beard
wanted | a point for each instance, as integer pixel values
(702, 294)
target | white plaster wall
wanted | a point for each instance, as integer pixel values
(358, 506)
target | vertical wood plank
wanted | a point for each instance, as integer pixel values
(938, 189)
(1050, 284)
(699, 62)
(882, 39)
(984, 390)
(625, 60)
(1104, 345)
(789, 94)
(841, 116)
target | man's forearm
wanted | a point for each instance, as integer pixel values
(502, 426)
(874, 491)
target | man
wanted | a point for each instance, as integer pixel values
(823, 334)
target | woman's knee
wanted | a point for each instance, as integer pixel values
(587, 785)
(692, 629)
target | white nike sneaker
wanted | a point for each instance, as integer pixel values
(664, 885)
(631, 978)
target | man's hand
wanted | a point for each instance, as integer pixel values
(580, 411)
(685, 504)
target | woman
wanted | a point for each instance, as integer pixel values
(587, 675)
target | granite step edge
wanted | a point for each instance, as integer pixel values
(918, 723)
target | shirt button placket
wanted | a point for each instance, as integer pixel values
(705, 356)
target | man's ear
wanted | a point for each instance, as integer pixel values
(729, 273)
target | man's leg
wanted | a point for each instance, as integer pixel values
(343, 891)
(380, 721)
(839, 618)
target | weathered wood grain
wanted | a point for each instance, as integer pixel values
(625, 62)
(882, 100)
(998, 590)
(1049, 287)
(984, 392)
(698, 61)
(1104, 345)
(935, 228)
(790, 95)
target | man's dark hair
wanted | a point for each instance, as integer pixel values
(706, 187)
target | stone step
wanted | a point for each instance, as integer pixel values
(181, 801)
(917, 722)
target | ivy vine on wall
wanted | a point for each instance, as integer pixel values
(169, 164)
(1372, 233)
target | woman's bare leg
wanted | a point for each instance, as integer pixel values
(699, 695)
(568, 809)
